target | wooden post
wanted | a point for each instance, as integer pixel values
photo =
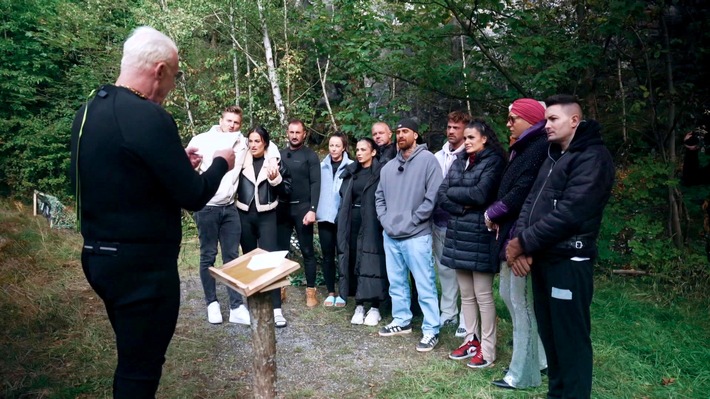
(264, 343)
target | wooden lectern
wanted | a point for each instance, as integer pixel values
(256, 285)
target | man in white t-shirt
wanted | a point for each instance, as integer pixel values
(450, 314)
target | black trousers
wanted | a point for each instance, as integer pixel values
(328, 242)
(140, 288)
(259, 231)
(563, 289)
(290, 216)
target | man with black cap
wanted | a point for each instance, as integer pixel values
(405, 200)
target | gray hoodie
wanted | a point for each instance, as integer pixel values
(406, 195)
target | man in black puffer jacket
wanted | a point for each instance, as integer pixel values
(556, 240)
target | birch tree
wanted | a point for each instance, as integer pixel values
(271, 67)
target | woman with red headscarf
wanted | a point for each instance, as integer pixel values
(528, 150)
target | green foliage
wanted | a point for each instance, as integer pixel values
(634, 233)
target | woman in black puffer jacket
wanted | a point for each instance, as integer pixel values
(467, 191)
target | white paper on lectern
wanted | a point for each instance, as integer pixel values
(267, 260)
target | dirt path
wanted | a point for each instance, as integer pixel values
(320, 354)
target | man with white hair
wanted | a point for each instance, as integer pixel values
(131, 177)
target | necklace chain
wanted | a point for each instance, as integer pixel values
(134, 91)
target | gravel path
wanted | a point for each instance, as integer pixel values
(320, 354)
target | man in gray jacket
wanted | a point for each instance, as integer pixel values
(405, 200)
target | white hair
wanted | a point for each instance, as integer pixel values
(145, 47)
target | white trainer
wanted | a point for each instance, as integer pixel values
(359, 316)
(214, 314)
(373, 317)
(240, 315)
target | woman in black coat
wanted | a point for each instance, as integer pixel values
(361, 255)
(469, 188)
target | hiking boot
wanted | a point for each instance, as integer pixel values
(478, 362)
(466, 350)
(373, 317)
(240, 315)
(311, 300)
(393, 329)
(214, 314)
(359, 316)
(428, 342)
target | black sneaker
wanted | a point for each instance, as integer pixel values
(428, 342)
(393, 329)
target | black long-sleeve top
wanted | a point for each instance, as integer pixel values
(134, 174)
(304, 165)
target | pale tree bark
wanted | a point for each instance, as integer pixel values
(273, 76)
(183, 85)
(235, 63)
(323, 76)
(465, 76)
(622, 92)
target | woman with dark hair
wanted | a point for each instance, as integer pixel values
(466, 192)
(262, 180)
(331, 171)
(361, 254)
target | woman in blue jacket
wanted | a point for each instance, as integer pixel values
(331, 170)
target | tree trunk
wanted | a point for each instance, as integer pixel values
(264, 345)
(273, 76)
(323, 77)
(235, 64)
(673, 198)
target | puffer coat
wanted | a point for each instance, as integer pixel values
(466, 193)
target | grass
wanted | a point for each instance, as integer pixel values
(55, 340)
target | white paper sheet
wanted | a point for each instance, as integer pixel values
(266, 261)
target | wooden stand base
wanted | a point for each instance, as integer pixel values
(264, 344)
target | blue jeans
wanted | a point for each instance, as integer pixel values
(412, 255)
(218, 224)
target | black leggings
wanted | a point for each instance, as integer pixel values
(259, 231)
(328, 243)
(290, 217)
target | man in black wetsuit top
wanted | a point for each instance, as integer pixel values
(131, 177)
(299, 210)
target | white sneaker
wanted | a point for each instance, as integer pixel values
(373, 317)
(461, 332)
(240, 315)
(359, 316)
(214, 314)
(279, 319)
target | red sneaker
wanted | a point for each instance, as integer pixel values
(468, 349)
(478, 362)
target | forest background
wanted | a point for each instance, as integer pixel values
(638, 66)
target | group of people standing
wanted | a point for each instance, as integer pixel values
(384, 219)
(531, 214)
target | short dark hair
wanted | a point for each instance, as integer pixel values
(491, 137)
(564, 99)
(459, 117)
(261, 131)
(296, 121)
(233, 109)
